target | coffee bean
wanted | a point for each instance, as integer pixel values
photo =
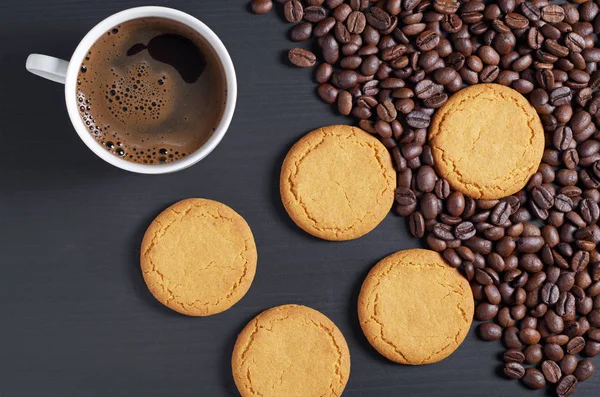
(552, 13)
(356, 22)
(511, 338)
(566, 386)
(323, 73)
(585, 369)
(302, 58)
(565, 304)
(428, 40)
(533, 379)
(378, 18)
(551, 371)
(576, 345)
(418, 119)
(341, 12)
(314, 13)
(529, 336)
(568, 364)
(330, 49)
(553, 351)
(301, 32)
(554, 322)
(514, 356)
(592, 349)
(490, 331)
(293, 11)
(324, 27)
(560, 96)
(328, 93)
(430, 206)
(344, 103)
(533, 354)
(514, 370)
(344, 79)
(416, 223)
(261, 6)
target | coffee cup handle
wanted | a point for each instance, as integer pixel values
(48, 67)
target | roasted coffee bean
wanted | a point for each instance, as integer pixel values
(261, 6)
(529, 336)
(592, 349)
(328, 93)
(552, 13)
(418, 119)
(549, 293)
(331, 51)
(344, 102)
(566, 386)
(514, 356)
(554, 322)
(576, 345)
(356, 22)
(293, 11)
(568, 364)
(585, 369)
(417, 224)
(302, 58)
(533, 354)
(560, 96)
(551, 371)
(344, 79)
(511, 338)
(323, 73)
(324, 27)
(314, 13)
(533, 379)
(490, 331)
(485, 311)
(514, 370)
(378, 18)
(302, 31)
(553, 351)
(427, 40)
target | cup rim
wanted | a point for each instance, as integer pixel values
(148, 12)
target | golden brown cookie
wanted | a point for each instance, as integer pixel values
(487, 141)
(291, 351)
(198, 257)
(414, 308)
(338, 182)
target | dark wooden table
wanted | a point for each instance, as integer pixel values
(76, 317)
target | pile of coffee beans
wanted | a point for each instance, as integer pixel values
(532, 258)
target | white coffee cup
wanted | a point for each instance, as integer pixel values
(66, 72)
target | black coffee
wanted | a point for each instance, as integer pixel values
(151, 91)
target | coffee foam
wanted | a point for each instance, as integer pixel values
(141, 109)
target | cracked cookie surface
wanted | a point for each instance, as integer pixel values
(198, 257)
(414, 308)
(337, 182)
(487, 141)
(291, 351)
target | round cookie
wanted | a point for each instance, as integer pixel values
(198, 257)
(414, 308)
(291, 351)
(487, 141)
(338, 182)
